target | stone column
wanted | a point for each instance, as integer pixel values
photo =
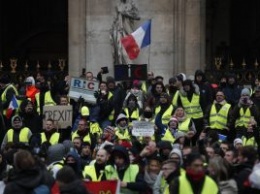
(194, 36)
(77, 36)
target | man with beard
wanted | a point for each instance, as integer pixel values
(18, 133)
(194, 180)
(129, 176)
(50, 133)
(95, 172)
(84, 132)
(31, 118)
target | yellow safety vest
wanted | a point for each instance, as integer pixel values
(3, 96)
(86, 138)
(166, 115)
(53, 140)
(48, 101)
(112, 114)
(129, 175)
(122, 135)
(244, 118)
(175, 98)
(218, 120)
(134, 116)
(95, 128)
(143, 87)
(193, 108)
(209, 186)
(248, 142)
(168, 136)
(23, 135)
(184, 125)
(91, 172)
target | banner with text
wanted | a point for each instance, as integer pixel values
(62, 115)
(80, 87)
(143, 128)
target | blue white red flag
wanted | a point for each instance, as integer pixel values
(12, 106)
(137, 40)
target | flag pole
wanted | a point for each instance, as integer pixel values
(149, 58)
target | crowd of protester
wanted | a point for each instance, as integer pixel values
(206, 136)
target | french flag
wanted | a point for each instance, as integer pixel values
(137, 40)
(12, 106)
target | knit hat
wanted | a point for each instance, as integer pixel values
(178, 153)
(178, 135)
(30, 80)
(173, 119)
(109, 129)
(120, 117)
(245, 92)
(55, 153)
(237, 141)
(84, 111)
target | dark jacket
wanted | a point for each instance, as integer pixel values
(24, 181)
(76, 186)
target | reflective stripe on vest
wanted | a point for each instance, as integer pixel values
(134, 115)
(248, 142)
(129, 176)
(209, 186)
(112, 114)
(53, 140)
(3, 96)
(122, 134)
(91, 172)
(86, 138)
(48, 101)
(184, 125)
(193, 108)
(218, 120)
(244, 118)
(166, 115)
(168, 136)
(175, 98)
(23, 135)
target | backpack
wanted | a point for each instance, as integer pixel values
(41, 189)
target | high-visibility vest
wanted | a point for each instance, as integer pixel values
(86, 138)
(135, 114)
(95, 128)
(166, 115)
(3, 96)
(144, 87)
(168, 136)
(23, 135)
(209, 186)
(129, 176)
(53, 140)
(184, 125)
(244, 118)
(48, 101)
(122, 134)
(90, 171)
(175, 98)
(193, 108)
(248, 141)
(218, 120)
(112, 114)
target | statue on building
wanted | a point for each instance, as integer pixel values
(123, 25)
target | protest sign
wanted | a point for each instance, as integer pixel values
(80, 87)
(142, 128)
(62, 115)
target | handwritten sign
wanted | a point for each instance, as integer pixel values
(80, 87)
(142, 128)
(60, 114)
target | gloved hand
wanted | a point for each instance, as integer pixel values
(81, 100)
(96, 94)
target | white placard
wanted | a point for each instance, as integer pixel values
(142, 128)
(62, 115)
(80, 87)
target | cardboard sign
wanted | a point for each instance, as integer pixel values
(80, 87)
(62, 115)
(102, 187)
(143, 128)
